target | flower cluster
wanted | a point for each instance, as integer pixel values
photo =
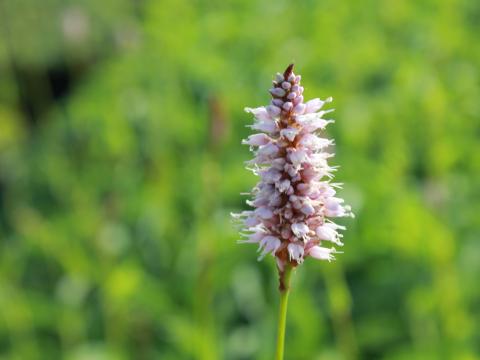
(295, 197)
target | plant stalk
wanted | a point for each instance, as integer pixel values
(282, 313)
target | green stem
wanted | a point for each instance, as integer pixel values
(282, 314)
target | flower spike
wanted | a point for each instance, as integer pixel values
(294, 199)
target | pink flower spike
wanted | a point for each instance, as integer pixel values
(295, 198)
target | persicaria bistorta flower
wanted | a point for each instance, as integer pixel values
(295, 198)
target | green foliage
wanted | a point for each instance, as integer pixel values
(120, 161)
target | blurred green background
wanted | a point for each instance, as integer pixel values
(120, 161)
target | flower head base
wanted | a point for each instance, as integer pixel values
(294, 198)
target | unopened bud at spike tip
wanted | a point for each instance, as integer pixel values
(288, 71)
